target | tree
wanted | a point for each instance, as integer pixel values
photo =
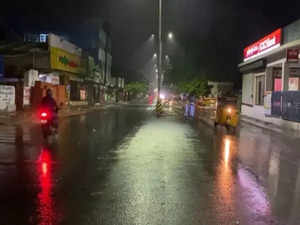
(198, 87)
(135, 88)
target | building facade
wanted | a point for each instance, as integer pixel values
(84, 71)
(55, 60)
(271, 76)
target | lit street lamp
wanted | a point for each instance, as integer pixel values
(170, 36)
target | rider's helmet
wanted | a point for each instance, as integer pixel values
(49, 92)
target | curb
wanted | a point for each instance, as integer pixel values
(262, 125)
(30, 116)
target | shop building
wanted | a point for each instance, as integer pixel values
(56, 61)
(85, 74)
(67, 61)
(271, 78)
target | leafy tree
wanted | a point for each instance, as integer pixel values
(198, 87)
(135, 88)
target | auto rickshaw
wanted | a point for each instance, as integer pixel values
(227, 113)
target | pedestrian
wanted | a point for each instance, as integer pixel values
(192, 109)
(192, 105)
(186, 109)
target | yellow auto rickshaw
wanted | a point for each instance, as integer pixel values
(227, 113)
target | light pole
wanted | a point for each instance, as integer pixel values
(160, 50)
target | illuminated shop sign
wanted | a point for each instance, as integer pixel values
(264, 45)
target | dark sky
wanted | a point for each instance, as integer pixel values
(211, 32)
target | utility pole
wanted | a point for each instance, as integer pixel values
(160, 51)
(106, 30)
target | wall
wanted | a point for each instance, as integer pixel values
(39, 91)
(258, 113)
(1, 66)
(247, 90)
(7, 98)
(58, 42)
(101, 59)
(16, 65)
(108, 70)
(291, 32)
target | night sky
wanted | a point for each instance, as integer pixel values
(210, 34)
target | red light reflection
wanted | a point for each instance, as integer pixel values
(44, 168)
(45, 206)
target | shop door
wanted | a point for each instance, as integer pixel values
(260, 90)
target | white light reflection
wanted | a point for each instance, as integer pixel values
(227, 152)
(255, 198)
(224, 190)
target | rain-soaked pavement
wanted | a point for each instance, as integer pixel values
(124, 166)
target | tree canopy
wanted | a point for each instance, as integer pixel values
(197, 87)
(135, 88)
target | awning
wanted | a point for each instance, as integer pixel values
(255, 65)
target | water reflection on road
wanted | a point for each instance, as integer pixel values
(46, 209)
(124, 166)
(224, 189)
(273, 181)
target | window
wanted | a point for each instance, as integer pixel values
(43, 38)
(259, 90)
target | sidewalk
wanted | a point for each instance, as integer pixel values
(29, 115)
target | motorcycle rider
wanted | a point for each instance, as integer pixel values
(49, 103)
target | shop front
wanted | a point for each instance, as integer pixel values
(271, 70)
(66, 60)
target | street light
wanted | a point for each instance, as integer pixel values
(170, 36)
(155, 56)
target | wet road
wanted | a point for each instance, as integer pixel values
(123, 166)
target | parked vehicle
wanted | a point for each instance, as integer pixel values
(227, 113)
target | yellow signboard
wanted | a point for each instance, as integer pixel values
(65, 61)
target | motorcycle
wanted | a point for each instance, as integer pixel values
(47, 122)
